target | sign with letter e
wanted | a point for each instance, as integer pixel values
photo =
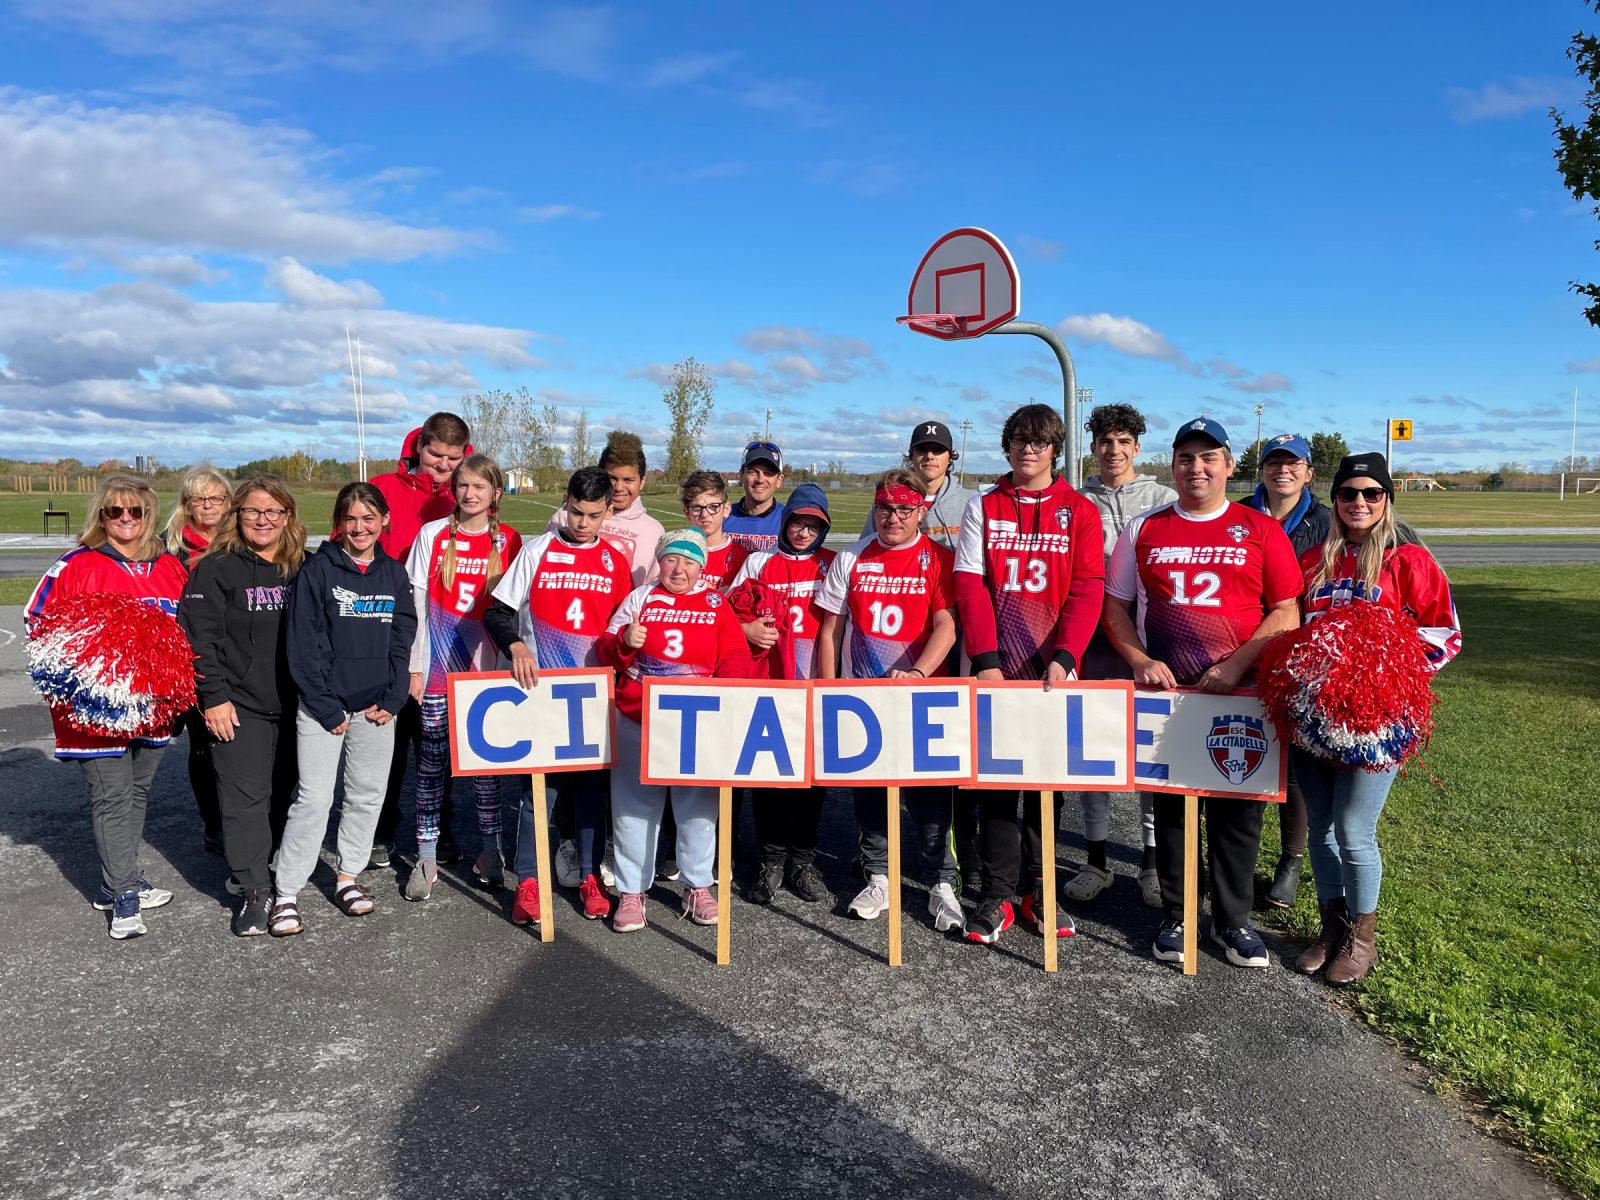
(725, 732)
(893, 733)
(1076, 735)
(1195, 743)
(562, 723)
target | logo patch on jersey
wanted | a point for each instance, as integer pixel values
(714, 599)
(1063, 517)
(606, 559)
(924, 559)
(1238, 532)
(353, 605)
(558, 556)
(1237, 745)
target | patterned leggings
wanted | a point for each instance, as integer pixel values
(433, 777)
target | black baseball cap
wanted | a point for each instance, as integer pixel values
(935, 432)
(763, 452)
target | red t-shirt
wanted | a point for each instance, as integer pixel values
(694, 634)
(565, 596)
(891, 595)
(723, 563)
(450, 631)
(796, 582)
(1410, 581)
(1203, 583)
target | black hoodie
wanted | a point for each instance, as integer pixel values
(232, 610)
(350, 634)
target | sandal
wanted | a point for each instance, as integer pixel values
(353, 899)
(285, 920)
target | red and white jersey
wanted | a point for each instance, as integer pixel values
(565, 596)
(723, 563)
(796, 581)
(1410, 581)
(450, 630)
(694, 634)
(890, 595)
(1203, 582)
(1040, 557)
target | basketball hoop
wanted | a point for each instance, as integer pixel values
(937, 324)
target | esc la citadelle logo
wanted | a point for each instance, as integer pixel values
(1237, 746)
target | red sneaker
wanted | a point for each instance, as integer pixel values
(1032, 916)
(596, 904)
(525, 909)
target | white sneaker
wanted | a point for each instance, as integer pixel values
(1150, 887)
(945, 909)
(608, 867)
(872, 899)
(567, 873)
(1087, 883)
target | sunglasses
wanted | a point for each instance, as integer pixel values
(772, 446)
(1370, 495)
(115, 512)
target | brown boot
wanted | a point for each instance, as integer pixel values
(1359, 954)
(1334, 926)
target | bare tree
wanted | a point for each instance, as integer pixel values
(689, 396)
(495, 420)
(582, 452)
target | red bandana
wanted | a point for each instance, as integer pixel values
(899, 493)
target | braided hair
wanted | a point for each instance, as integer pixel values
(486, 469)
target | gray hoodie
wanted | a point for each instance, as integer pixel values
(942, 522)
(1119, 505)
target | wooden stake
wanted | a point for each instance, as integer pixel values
(724, 876)
(541, 848)
(894, 875)
(1047, 879)
(1191, 885)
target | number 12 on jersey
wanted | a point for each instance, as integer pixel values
(1207, 584)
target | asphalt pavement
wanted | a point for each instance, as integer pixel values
(436, 1049)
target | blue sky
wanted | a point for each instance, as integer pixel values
(1342, 215)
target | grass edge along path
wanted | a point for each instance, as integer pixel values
(1489, 921)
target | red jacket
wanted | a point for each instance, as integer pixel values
(414, 500)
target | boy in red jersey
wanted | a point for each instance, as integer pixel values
(705, 503)
(790, 576)
(894, 592)
(1030, 575)
(550, 609)
(1208, 582)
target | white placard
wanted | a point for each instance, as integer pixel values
(893, 733)
(562, 723)
(1077, 735)
(725, 733)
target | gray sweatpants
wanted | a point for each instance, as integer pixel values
(365, 750)
(1097, 814)
(118, 789)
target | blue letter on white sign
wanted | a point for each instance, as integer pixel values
(481, 704)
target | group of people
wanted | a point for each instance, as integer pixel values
(315, 670)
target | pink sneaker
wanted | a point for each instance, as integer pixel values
(630, 913)
(596, 904)
(700, 906)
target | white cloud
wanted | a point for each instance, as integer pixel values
(179, 269)
(687, 68)
(867, 177)
(1584, 366)
(541, 213)
(304, 287)
(795, 361)
(1126, 336)
(1496, 100)
(181, 179)
(1264, 383)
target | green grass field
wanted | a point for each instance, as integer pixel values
(1489, 924)
(1438, 510)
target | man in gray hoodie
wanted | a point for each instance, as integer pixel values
(1121, 494)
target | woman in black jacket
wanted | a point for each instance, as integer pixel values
(351, 621)
(232, 611)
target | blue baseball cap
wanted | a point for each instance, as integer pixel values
(1202, 427)
(1289, 443)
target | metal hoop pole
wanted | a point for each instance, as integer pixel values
(1069, 386)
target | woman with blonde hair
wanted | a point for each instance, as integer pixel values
(118, 552)
(202, 501)
(232, 611)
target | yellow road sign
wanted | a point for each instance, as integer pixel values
(1399, 431)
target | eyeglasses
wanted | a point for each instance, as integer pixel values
(705, 510)
(899, 512)
(1019, 445)
(272, 515)
(208, 501)
(115, 512)
(1370, 495)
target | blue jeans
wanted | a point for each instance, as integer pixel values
(589, 793)
(1343, 805)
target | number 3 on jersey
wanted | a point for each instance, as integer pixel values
(1035, 582)
(1207, 584)
(674, 646)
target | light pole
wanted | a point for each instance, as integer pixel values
(766, 432)
(1085, 400)
(961, 479)
(1259, 409)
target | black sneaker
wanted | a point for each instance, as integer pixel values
(764, 887)
(992, 919)
(1285, 881)
(1168, 944)
(667, 870)
(380, 855)
(254, 913)
(449, 852)
(806, 882)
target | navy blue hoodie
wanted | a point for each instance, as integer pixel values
(350, 633)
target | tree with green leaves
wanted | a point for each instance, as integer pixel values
(1326, 451)
(689, 396)
(1578, 147)
(1249, 462)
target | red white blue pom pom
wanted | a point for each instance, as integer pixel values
(1352, 686)
(112, 665)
